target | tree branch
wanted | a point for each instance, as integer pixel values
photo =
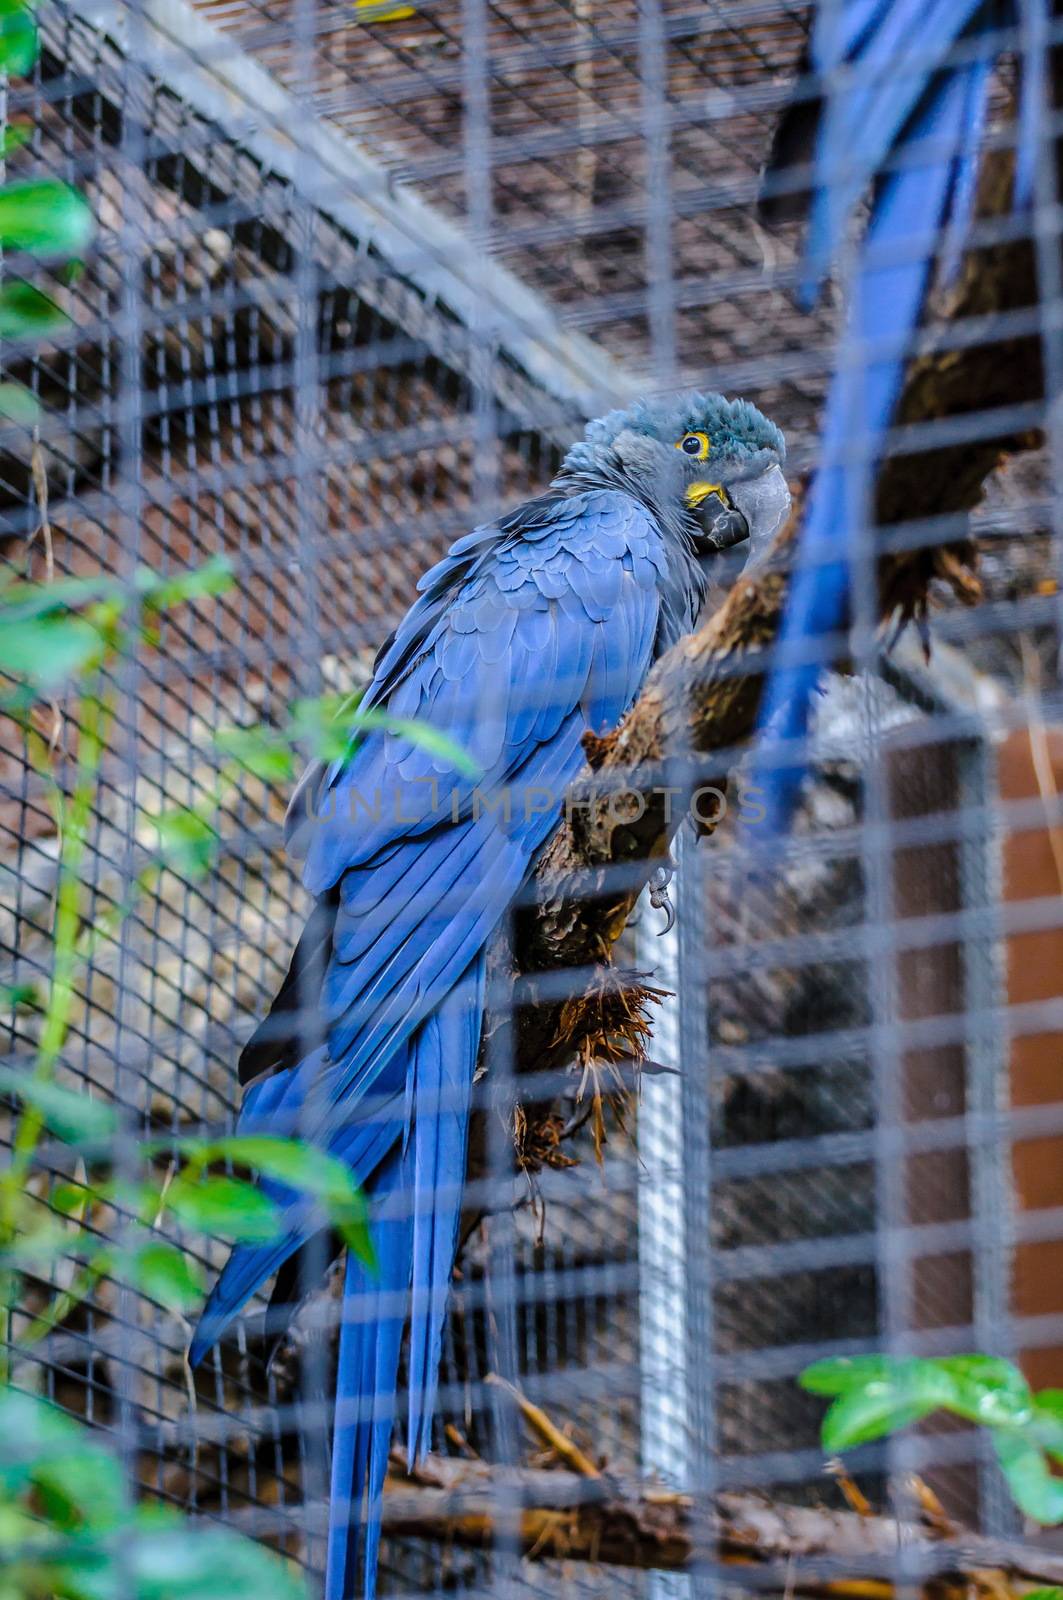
(979, 352)
(811, 1551)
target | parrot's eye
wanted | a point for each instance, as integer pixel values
(694, 444)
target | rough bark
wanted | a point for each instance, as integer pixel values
(814, 1551)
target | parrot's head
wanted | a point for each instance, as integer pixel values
(710, 464)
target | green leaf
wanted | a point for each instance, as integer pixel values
(50, 1242)
(20, 996)
(331, 726)
(264, 752)
(839, 1374)
(226, 1206)
(45, 650)
(287, 1160)
(81, 1488)
(18, 39)
(81, 1540)
(31, 1430)
(307, 1171)
(26, 313)
(1034, 1489)
(19, 1530)
(187, 841)
(859, 1418)
(19, 404)
(84, 1569)
(71, 1116)
(988, 1390)
(1045, 1427)
(437, 743)
(15, 135)
(25, 600)
(66, 1198)
(210, 1564)
(165, 1274)
(161, 591)
(45, 217)
(882, 1395)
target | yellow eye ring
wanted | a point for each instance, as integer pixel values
(694, 445)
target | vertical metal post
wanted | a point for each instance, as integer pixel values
(662, 1225)
(675, 1291)
(986, 1068)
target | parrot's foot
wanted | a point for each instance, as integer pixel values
(660, 878)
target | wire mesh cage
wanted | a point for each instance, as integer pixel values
(360, 276)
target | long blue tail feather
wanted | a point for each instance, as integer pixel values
(907, 89)
(415, 1207)
(444, 1062)
(373, 1318)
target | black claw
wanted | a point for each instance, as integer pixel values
(659, 900)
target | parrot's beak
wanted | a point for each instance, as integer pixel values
(720, 523)
(765, 503)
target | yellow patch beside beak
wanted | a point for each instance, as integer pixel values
(697, 492)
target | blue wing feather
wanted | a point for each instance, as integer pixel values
(899, 79)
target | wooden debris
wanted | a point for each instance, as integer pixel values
(551, 1435)
(855, 1498)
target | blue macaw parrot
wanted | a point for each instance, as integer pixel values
(899, 107)
(531, 631)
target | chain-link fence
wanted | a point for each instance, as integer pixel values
(361, 274)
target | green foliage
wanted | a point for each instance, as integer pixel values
(161, 591)
(39, 216)
(70, 1116)
(163, 1273)
(264, 752)
(65, 1517)
(68, 1529)
(18, 37)
(47, 649)
(187, 841)
(19, 997)
(16, 134)
(224, 1206)
(19, 405)
(45, 218)
(876, 1395)
(54, 632)
(303, 1170)
(26, 312)
(332, 726)
(67, 1525)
